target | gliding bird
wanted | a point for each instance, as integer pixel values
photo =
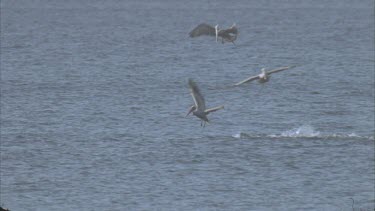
(199, 107)
(264, 76)
(227, 35)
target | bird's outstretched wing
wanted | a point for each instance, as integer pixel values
(280, 69)
(197, 96)
(207, 111)
(203, 29)
(252, 78)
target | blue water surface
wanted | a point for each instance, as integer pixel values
(94, 96)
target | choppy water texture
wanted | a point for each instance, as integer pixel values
(94, 93)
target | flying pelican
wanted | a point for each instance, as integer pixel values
(264, 76)
(228, 35)
(199, 107)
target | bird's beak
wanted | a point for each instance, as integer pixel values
(190, 110)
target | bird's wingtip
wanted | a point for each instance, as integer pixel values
(191, 83)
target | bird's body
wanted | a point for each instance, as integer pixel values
(227, 35)
(264, 76)
(199, 108)
(201, 115)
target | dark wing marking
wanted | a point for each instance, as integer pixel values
(202, 29)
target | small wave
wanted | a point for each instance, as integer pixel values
(305, 131)
(246, 135)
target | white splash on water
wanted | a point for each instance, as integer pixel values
(303, 131)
